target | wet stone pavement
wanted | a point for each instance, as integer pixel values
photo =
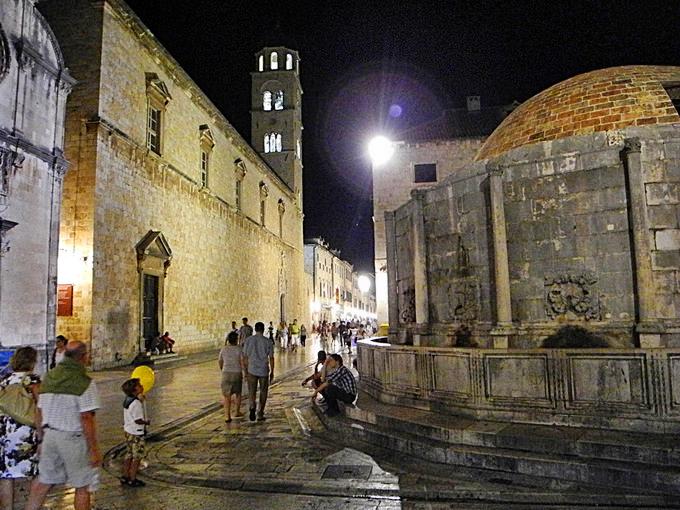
(289, 461)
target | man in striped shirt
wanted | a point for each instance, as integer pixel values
(340, 385)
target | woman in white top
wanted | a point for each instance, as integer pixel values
(232, 367)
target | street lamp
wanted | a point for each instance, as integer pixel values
(364, 283)
(380, 149)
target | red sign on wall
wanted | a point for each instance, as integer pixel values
(64, 300)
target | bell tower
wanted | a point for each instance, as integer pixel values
(276, 116)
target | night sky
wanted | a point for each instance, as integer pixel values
(360, 58)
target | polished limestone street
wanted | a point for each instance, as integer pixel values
(291, 460)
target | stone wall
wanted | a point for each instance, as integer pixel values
(33, 88)
(624, 389)
(394, 181)
(591, 239)
(226, 263)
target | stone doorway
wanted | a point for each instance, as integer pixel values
(153, 260)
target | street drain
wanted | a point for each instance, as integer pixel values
(344, 472)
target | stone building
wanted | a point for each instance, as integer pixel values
(334, 290)
(568, 215)
(171, 220)
(424, 156)
(34, 85)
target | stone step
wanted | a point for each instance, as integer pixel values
(614, 474)
(624, 474)
(159, 359)
(653, 449)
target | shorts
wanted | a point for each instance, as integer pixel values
(232, 383)
(135, 447)
(64, 458)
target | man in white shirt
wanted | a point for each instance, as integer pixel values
(69, 454)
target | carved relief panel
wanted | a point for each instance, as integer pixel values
(572, 295)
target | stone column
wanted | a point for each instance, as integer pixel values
(648, 327)
(392, 294)
(420, 269)
(503, 327)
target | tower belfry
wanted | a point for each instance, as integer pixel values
(276, 116)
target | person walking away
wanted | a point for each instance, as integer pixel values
(134, 426)
(294, 335)
(245, 331)
(303, 335)
(270, 332)
(258, 356)
(334, 333)
(19, 442)
(70, 453)
(59, 350)
(340, 385)
(282, 333)
(232, 367)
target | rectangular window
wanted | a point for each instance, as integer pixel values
(426, 172)
(238, 195)
(204, 168)
(153, 131)
(262, 212)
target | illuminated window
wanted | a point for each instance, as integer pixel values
(298, 149)
(260, 63)
(289, 61)
(278, 100)
(267, 101)
(267, 147)
(278, 142)
(274, 61)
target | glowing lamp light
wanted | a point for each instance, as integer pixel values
(364, 283)
(380, 149)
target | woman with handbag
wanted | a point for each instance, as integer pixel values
(18, 441)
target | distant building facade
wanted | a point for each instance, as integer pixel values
(172, 221)
(568, 216)
(34, 85)
(334, 291)
(424, 156)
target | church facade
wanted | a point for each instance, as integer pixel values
(34, 85)
(171, 220)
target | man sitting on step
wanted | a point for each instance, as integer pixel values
(340, 385)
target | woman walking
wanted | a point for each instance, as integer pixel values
(232, 367)
(19, 442)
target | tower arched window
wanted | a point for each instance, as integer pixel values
(267, 101)
(274, 61)
(278, 142)
(267, 147)
(278, 100)
(289, 61)
(260, 63)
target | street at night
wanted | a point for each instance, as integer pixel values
(324, 255)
